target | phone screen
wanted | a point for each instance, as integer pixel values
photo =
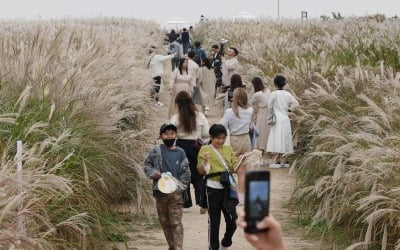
(258, 199)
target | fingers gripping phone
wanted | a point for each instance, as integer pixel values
(257, 199)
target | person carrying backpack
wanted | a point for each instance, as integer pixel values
(200, 54)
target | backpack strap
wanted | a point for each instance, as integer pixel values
(158, 150)
(148, 64)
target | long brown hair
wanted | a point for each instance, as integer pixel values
(186, 112)
(239, 99)
(180, 67)
(236, 81)
(258, 84)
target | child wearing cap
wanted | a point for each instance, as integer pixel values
(164, 158)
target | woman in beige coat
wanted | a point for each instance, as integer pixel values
(181, 80)
(206, 85)
(260, 106)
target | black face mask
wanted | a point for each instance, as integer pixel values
(168, 142)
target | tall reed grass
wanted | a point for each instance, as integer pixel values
(71, 90)
(346, 76)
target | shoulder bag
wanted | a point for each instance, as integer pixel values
(271, 119)
(227, 180)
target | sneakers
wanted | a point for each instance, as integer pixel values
(223, 248)
(186, 210)
(203, 210)
(270, 161)
(275, 165)
(160, 103)
(280, 165)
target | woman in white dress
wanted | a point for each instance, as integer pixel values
(259, 102)
(280, 136)
(181, 80)
(206, 85)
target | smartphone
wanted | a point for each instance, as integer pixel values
(256, 199)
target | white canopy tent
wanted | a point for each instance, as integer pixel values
(176, 23)
(244, 15)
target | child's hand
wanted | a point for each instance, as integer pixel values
(157, 175)
(206, 157)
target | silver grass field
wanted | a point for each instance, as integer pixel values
(345, 74)
(72, 91)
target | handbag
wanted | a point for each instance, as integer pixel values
(198, 143)
(271, 119)
(224, 179)
(253, 133)
(251, 128)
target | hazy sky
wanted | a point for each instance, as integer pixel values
(190, 10)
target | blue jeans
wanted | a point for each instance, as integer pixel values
(185, 48)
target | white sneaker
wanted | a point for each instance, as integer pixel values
(223, 248)
(285, 165)
(160, 103)
(270, 162)
(275, 165)
(186, 210)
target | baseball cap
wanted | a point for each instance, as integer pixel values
(167, 126)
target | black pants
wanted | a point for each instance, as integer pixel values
(216, 204)
(196, 179)
(156, 88)
(175, 62)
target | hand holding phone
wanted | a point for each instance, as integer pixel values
(256, 199)
(270, 239)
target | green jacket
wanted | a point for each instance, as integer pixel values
(216, 165)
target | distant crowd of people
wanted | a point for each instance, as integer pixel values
(259, 121)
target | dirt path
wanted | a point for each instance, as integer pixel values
(196, 224)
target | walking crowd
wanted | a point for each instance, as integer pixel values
(214, 159)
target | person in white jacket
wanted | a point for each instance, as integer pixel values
(155, 65)
(230, 66)
(193, 67)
